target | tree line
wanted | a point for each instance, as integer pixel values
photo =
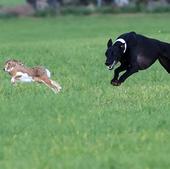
(99, 3)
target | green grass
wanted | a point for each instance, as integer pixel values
(11, 2)
(90, 124)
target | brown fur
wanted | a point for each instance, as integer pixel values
(38, 74)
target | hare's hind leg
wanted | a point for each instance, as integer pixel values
(49, 83)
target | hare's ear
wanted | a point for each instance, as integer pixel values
(19, 62)
(109, 43)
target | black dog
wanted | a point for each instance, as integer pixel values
(135, 52)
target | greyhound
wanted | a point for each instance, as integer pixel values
(135, 52)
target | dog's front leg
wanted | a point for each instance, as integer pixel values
(121, 68)
(13, 81)
(128, 73)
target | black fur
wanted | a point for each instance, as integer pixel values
(140, 54)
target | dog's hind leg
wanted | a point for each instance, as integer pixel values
(54, 86)
(165, 62)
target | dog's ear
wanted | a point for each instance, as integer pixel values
(18, 62)
(109, 43)
(122, 45)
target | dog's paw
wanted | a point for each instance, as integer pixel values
(115, 82)
(14, 84)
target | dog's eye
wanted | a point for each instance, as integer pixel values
(122, 46)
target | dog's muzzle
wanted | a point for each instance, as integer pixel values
(110, 67)
(8, 70)
(5, 69)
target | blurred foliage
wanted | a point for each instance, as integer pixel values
(81, 7)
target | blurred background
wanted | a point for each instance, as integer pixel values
(83, 7)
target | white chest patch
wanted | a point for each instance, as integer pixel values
(23, 77)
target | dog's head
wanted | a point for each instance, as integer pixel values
(117, 49)
(114, 52)
(11, 64)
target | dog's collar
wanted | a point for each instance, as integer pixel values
(122, 41)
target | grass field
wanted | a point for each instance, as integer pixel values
(11, 2)
(90, 124)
